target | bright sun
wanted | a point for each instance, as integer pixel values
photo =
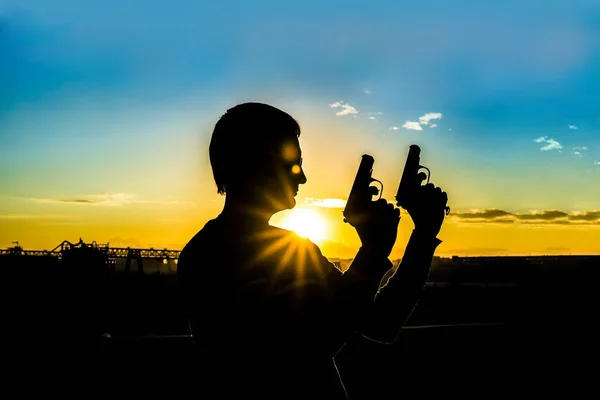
(306, 223)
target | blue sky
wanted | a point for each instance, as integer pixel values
(111, 87)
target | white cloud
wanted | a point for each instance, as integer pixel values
(551, 144)
(577, 153)
(572, 127)
(367, 91)
(327, 203)
(394, 128)
(415, 126)
(347, 109)
(424, 120)
(596, 162)
(583, 148)
(372, 118)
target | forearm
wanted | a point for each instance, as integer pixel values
(365, 273)
(354, 290)
(395, 301)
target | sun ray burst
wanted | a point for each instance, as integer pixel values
(307, 223)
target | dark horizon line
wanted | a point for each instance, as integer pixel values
(56, 250)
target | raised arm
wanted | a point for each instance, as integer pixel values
(353, 291)
(395, 301)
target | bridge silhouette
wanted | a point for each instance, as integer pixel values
(110, 254)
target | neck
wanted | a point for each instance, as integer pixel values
(242, 209)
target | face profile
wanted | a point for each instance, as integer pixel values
(284, 177)
(256, 158)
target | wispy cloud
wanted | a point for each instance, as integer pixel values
(33, 216)
(533, 217)
(585, 216)
(77, 201)
(547, 215)
(372, 115)
(346, 109)
(394, 128)
(327, 203)
(550, 144)
(572, 127)
(423, 120)
(107, 199)
(412, 125)
(578, 150)
(596, 162)
(491, 213)
(367, 91)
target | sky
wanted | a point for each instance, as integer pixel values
(107, 107)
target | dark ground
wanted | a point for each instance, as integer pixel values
(459, 338)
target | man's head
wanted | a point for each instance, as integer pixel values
(255, 156)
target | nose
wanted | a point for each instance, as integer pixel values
(298, 173)
(302, 177)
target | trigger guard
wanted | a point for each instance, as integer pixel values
(375, 190)
(428, 174)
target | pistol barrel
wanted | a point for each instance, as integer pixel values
(359, 194)
(409, 176)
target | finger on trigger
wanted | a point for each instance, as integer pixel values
(381, 202)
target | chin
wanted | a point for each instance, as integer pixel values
(288, 203)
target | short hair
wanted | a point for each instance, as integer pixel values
(242, 135)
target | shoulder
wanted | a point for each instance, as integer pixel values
(298, 241)
(205, 239)
(305, 253)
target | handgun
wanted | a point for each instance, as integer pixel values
(362, 192)
(411, 179)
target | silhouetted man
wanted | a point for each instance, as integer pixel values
(268, 311)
